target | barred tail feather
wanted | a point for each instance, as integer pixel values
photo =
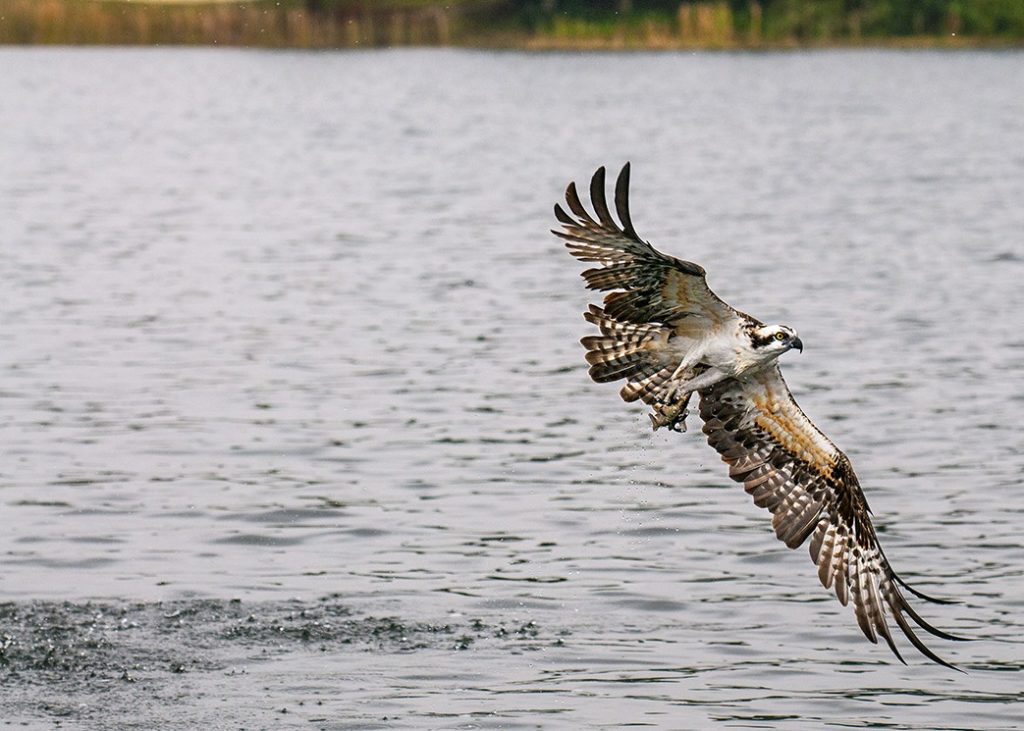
(628, 351)
(648, 389)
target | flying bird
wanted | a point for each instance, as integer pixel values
(668, 336)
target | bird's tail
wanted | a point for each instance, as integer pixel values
(635, 352)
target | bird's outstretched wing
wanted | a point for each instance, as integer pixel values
(650, 286)
(789, 467)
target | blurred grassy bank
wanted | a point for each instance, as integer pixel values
(536, 24)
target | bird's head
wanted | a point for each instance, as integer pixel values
(774, 340)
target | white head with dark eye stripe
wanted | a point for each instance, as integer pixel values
(775, 339)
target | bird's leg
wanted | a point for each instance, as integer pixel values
(670, 408)
(706, 379)
(689, 360)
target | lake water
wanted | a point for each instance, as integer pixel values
(290, 329)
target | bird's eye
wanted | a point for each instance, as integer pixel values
(780, 336)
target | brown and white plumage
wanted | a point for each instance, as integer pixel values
(665, 333)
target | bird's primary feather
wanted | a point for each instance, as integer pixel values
(668, 336)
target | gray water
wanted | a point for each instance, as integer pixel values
(283, 326)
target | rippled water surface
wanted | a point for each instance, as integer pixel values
(283, 326)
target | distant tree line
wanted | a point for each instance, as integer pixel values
(771, 19)
(517, 23)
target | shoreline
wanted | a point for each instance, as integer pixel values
(704, 25)
(542, 44)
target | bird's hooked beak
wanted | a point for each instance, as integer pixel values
(798, 344)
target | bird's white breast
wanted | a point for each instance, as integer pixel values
(732, 351)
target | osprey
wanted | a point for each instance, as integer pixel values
(669, 336)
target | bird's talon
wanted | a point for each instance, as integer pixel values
(671, 416)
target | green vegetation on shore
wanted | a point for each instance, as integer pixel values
(516, 23)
